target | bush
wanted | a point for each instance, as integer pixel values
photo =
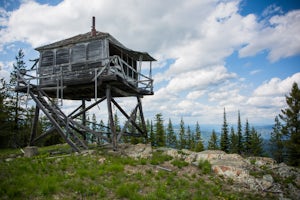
(129, 191)
(204, 166)
(159, 158)
(179, 163)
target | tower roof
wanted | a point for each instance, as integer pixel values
(87, 37)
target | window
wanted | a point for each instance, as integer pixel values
(47, 58)
(78, 53)
(62, 56)
(94, 50)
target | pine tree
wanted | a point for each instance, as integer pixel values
(94, 127)
(239, 134)
(247, 142)
(276, 141)
(171, 137)
(182, 140)
(213, 141)
(101, 130)
(290, 117)
(152, 134)
(159, 129)
(198, 140)
(224, 135)
(256, 143)
(117, 123)
(18, 112)
(5, 116)
(233, 147)
(189, 138)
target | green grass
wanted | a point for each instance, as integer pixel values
(179, 163)
(159, 157)
(83, 177)
(204, 166)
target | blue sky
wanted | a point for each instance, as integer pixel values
(238, 54)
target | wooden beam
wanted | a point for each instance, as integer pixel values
(132, 116)
(34, 125)
(89, 107)
(127, 116)
(83, 117)
(142, 116)
(110, 117)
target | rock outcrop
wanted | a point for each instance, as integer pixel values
(254, 173)
(136, 151)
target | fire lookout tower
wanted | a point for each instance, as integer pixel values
(88, 66)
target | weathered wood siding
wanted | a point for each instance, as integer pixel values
(75, 63)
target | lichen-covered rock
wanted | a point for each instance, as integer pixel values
(261, 161)
(30, 151)
(173, 153)
(235, 173)
(137, 151)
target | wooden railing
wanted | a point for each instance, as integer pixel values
(117, 66)
(59, 76)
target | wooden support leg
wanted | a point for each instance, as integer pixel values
(142, 117)
(34, 125)
(83, 118)
(110, 117)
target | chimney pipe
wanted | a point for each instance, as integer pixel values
(93, 31)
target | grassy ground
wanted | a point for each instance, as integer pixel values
(106, 176)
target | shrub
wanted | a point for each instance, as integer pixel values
(128, 190)
(204, 166)
(159, 158)
(179, 163)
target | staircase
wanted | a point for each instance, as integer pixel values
(68, 128)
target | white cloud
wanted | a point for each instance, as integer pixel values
(199, 79)
(277, 87)
(197, 35)
(253, 72)
(272, 9)
(280, 37)
(194, 95)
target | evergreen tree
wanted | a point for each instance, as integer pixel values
(233, 147)
(103, 130)
(94, 127)
(247, 143)
(182, 140)
(5, 116)
(276, 142)
(159, 130)
(198, 140)
(291, 118)
(256, 143)
(117, 123)
(132, 130)
(152, 134)
(171, 137)
(140, 139)
(239, 134)
(213, 141)
(18, 112)
(189, 138)
(224, 144)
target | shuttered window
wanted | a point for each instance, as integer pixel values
(47, 58)
(78, 53)
(94, 50)
(62, 56)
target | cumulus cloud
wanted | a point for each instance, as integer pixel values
(280, 37)
(197, 36)
(276, 86)
(199, 79)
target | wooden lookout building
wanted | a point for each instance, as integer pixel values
(93, 65)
